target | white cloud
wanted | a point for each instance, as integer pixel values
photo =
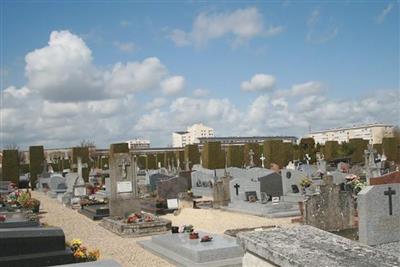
(381, 17)
(259, 82)
(125, 23)
(200, 92)
(63, 71)
(242, 24)
(173, 85)
(156, 103)
(179, 37)
(127, 47)
(308, 88)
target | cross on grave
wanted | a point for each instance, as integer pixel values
(123, 167)
(262, 160)
(251, 154)
(236, 186)
(389, 193)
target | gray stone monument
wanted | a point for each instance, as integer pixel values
(379, 214)
(123, 198)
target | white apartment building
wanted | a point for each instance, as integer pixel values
(191, 135)
(138, 143)
(374, 133)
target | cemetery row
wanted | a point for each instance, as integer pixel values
(129, 201)
(212, 156)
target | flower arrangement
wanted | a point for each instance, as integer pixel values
(23, 198)
(139, 217)
(306, 182)
(355, 183)
(81, 253)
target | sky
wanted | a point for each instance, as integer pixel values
(113, 71)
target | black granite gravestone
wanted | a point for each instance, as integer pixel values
(33, 246)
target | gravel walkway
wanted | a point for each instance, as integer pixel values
(125, 250)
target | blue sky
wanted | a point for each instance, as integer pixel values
(343, 58)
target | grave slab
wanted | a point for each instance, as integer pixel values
(269, 210)
(379, 214)
(180, 250)
(305, 245)
(99, 263)
(95, 212)
(16, 220)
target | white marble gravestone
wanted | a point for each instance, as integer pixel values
(379, 214)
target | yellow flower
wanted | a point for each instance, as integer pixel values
(76, 242)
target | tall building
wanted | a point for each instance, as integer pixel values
(191, 135)
(138, 143)
(374, 133)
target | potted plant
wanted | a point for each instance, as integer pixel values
(81, 253)
(305, 183)
(34, 205)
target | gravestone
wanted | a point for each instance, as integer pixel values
(221, 192)
(331, 209)
(307, 246)
(57, 185)
(379, 211)
(18, 219)
(182, 251)
(271, 184)
(123, 199)
(33, 246)
(170, 188)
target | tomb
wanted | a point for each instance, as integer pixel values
(96, 211)
(18, 219)
(33, 246)
(125, 218)
(178, 249)
(379, 210)
(57, 186)
(309, 246)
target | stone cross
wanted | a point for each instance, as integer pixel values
(123, 166)
(251, 154)
(262, 160)
(80, 167)
(236, 186)
(389, 193)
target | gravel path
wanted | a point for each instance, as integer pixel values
(125, 250)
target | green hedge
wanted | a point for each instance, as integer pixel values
(278, 152)
(358, 145)
(192, 155)
(10, 165)
(330, 150)
(307, 146)
(235, 156)
(36, 159)
(119, 148)
(151, 162)
(390, 147)
(141, 162)
(161, 159)
(213, 157)
(180, 154)
(378, 148)
(257, 154)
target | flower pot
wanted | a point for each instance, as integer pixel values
(174, 229)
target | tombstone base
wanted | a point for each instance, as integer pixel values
(95, 212)
(17, 220)
(269, 210)
(123, 229)
(180, 250)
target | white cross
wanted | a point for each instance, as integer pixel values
(262, 160)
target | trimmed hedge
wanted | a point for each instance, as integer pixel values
(378, 148)
(141, 161)
(192, 155)
(358, 145)
(151, 162)
(257, 154)
(36, 159)
(330, 150)
(390, 147)
(307, 146)
(235, 156)
(213, 157)
(161, 159)
(10, 165)
(181, 156)
(119, 148)
(278, 152)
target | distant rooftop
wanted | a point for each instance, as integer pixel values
(354, 127)
(245, 139)
(182, 132)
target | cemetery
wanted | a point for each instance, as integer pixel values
(345, 213)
